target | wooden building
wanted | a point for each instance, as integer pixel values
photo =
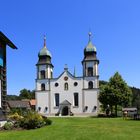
(4, 41)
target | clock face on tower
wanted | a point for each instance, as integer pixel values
(65, 78)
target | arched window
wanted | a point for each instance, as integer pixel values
(42, 86)
(42, 74)
(90, 84)
(66, 86)
(56, 99)
(76, 99)
(90, 71)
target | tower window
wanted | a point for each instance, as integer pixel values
(43, 87)
(66, 86)
(42, 73)
(56, 99)
(90, 84)
(76, 101)
(90, 71)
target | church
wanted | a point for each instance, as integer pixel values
(67, 95)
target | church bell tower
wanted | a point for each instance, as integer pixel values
(90, 61)
(44, 65)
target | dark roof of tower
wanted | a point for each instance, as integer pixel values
(7, 41)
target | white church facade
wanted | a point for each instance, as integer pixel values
(67, 94)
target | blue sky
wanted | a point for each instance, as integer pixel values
(115, 25)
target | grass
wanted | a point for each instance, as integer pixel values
(80, 129)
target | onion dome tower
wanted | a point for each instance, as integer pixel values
(44, 65)
(90, 61)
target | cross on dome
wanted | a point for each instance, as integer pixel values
(44, 40)
(90, 35)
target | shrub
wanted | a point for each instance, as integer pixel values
(32, 120)
(17, 124)
(102, 115)
(8, 126)
(15, 117)
(47, 121)
(112, 115)
(17, 110)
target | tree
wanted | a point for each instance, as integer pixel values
(25, 94)
(116, 92)
(106, 97)
(32, 94)
(136, 98)
(12, 97)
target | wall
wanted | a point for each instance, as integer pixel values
(67, 94)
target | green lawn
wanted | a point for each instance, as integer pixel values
(80, 129)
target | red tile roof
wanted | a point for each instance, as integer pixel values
(32, 102)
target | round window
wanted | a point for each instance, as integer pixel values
(56, 84)
(75, 84)
(65, 78)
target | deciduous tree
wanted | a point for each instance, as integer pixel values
(116, 92)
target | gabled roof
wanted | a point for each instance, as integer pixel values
(65, 102)
(7, 41)
(71, 75)
(67, 73)
(19, 104)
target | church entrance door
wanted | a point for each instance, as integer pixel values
(65, 111)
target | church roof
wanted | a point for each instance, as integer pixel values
(44, 51)
(69, 74)
(90, 47)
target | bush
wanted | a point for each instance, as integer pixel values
(32, 120)
(47, 121)
(8, 126)
(102, 115)
(113, 115)
(17, 110)
(17, 124)
(15, 117)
